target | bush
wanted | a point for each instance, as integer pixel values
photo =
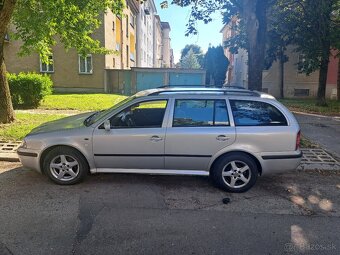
(28, 89)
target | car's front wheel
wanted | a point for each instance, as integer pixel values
(64, 165)
(235, 172)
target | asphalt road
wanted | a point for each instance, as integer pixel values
(322, 130)
(293, 213)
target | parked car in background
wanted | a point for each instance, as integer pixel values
(231, 135)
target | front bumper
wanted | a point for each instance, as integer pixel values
(29, 158)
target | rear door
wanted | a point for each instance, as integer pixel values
(198, 129)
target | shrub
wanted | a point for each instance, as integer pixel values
(28, 89)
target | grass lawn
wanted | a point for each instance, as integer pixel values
(24, 124)
(308, 105)
(81, 102)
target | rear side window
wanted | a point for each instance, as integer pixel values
(200, 113)
(254, 113)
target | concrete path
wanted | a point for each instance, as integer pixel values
(321, 130)
(294, 213)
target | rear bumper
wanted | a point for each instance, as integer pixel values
(279, 162)
(29, 158)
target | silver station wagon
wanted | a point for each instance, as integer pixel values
(231, 135)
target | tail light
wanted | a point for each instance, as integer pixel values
(298, 140)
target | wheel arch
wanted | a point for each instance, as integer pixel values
(258, 164)
(48, 149)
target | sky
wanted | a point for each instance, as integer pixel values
(178, 17)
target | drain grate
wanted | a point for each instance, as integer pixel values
(319, 156)
(9, 147)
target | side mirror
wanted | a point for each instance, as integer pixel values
(107, 125)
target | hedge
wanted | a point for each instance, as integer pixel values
(28, 89)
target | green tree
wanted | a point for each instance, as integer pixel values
(315, 30)
(190, 61)
(197, 50)
(40, 23)
(253, 18)
(216, 64)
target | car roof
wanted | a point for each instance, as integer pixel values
(201, 90)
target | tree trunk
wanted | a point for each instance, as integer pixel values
(6, 108)
(254, 15)
(281, 72)
(321, 100)
(338, 81)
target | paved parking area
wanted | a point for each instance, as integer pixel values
(296, 212)
(322, 130)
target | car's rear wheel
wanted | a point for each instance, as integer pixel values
(235, 172)
(65, 165)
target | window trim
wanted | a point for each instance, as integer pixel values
(47, 65)
(214, 111)
(164, 122)
(80, 72)
(258, 101)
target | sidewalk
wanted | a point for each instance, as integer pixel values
(322, 130)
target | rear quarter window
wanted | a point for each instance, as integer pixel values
(255, 113)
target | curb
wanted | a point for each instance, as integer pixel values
(10, 157)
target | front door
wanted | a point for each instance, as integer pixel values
(135, 140)
(200, 128)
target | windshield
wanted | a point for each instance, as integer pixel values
(100, 114)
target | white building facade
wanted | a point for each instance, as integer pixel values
(145, 34)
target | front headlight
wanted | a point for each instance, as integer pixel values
(23, 144)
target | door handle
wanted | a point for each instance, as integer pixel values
(222, 138)
(156, 138)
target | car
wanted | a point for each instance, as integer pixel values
(234, 136)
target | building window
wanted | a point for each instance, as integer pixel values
(127, 26)
(6, 38)
(113, 62)
(85, 64)
(113, 26)
(47, 67)
(132, 20)
(127, 56)
(301, 63)
(301, 92)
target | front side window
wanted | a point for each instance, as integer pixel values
(47, 67)
(255, 113)
(148, 114)
(85, 64)
(200, 113)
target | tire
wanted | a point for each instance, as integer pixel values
(235, 172)
(65, 165)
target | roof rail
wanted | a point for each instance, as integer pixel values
(187, 86)
(220, 91)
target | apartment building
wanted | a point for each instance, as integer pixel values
(145, 34)
(158, 42)
(137, 39)
(72, 72)
(296, 83)
(166, 45)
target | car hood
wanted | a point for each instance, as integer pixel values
(71, 122)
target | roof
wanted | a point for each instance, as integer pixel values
(165, 25)
(202, 90)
